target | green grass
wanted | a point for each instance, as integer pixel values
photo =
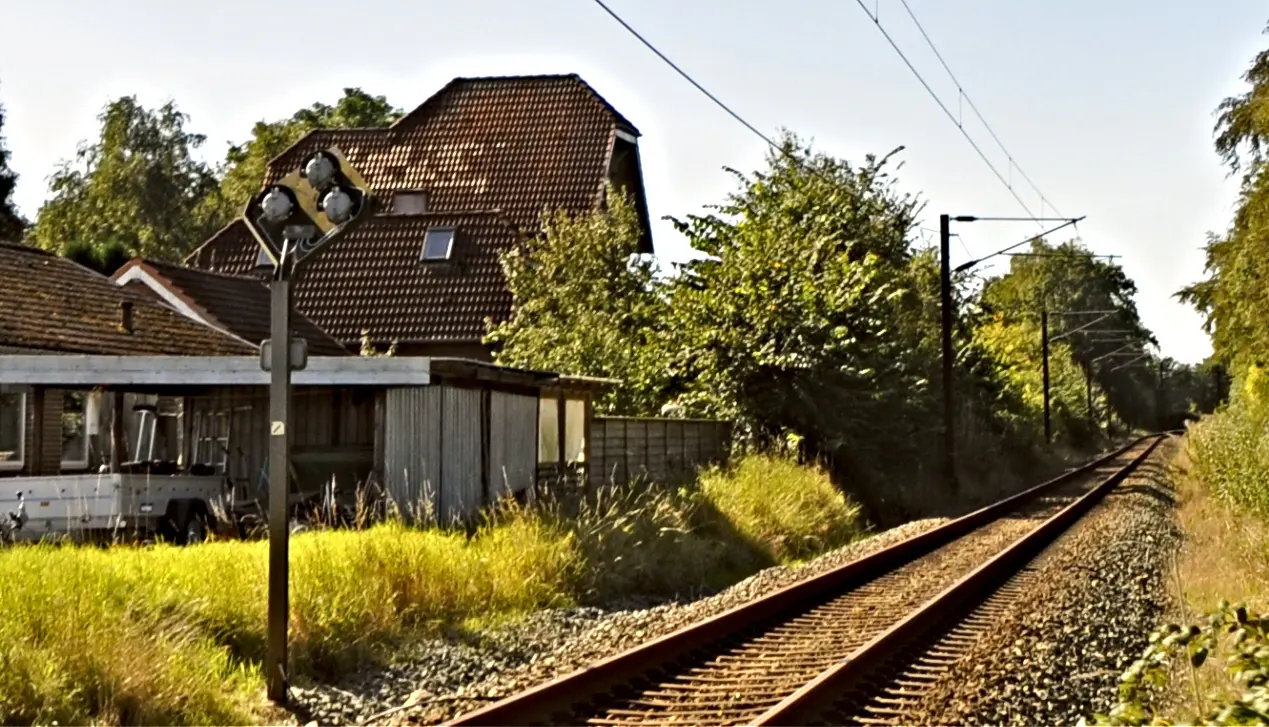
(807, 516)
(166, 635)
(1229, 452)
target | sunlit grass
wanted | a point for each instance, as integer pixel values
(168, 635)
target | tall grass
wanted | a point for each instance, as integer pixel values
(166, 635)
(803, 516)
(1229, 451)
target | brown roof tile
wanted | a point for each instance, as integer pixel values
(50, 303)
(518, 144)
(237, 304)
(515, 143)
(373, 279)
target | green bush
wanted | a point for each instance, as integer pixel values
(791, 510)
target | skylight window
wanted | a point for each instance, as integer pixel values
(438, 244)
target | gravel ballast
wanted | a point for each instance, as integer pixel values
(443, 678)
(1093, 597)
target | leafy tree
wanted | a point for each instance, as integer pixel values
(246, 163)
(586, 303)
(11, 223)
(784, 320)
(1067, 278)
(138, 186)
(105, 258)
(1233, 297)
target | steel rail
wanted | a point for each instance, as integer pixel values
(621, 675)
(807, 703)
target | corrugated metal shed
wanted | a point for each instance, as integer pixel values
(412, 449)
(513, 442)
(462, 415)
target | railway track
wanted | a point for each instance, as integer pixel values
(856, 645)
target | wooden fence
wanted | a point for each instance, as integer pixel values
(670, 451)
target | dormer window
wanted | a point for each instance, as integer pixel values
(412, 202)
(438, 244)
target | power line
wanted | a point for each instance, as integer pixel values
(961, 90)
(876, 21)
(687, 77)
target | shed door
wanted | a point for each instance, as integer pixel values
(460, 454)
(513, 424)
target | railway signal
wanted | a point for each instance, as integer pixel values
(293, 220)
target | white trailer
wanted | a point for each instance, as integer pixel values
(180, 508)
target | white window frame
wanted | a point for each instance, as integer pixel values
(90, 417)
(449, 249)
(575, 434)
(548, 429)
(20, 462)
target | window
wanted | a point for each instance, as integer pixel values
(12, 428)
(212, 439)
(574, 430)
(79, 422)
(548, 430)
(438, 244)
(409, 203)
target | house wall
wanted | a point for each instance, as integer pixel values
(412, 449)
(623, 450)
(513, 456)
(474, 351)
(332, 434)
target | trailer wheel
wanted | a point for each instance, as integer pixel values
(195, 529)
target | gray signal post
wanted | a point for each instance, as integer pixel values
(293, 220)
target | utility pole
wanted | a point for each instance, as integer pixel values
(1088, 382)
(949, 402)
(1160, 401)
(1044, 354)
(945, 280)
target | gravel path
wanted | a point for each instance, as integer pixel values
(1093, 598)
(447, 677)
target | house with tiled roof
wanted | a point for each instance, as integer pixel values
(235, 304)
(50, 305)
(456, 182)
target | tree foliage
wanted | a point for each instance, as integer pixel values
(789, 321)
(246, 163)
(586, 303)
(1233, 296)
(139, 186)
(11, 223)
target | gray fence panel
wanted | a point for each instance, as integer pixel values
(661, 450)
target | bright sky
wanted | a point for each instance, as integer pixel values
(1106, 106)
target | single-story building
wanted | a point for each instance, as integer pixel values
(97, 374)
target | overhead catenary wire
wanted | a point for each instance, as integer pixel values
(960, 89)
(876, 19)
(780, 149)
(688, 77)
